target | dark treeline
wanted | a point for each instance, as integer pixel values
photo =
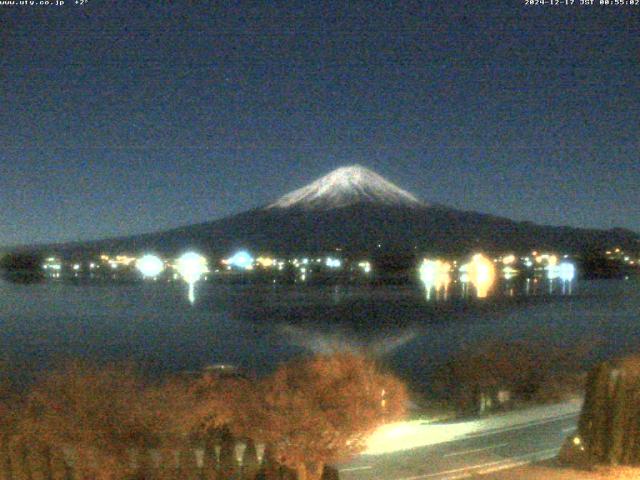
(22, 267)
(27, 267)
(498, 375)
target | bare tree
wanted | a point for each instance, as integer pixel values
(99, 418)
(219, 405)
(320, 410)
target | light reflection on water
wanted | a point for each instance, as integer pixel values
(257, 326)
(319, 341)
(491, 287)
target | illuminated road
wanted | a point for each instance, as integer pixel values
(473, 455)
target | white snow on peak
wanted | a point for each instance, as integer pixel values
(347, 186)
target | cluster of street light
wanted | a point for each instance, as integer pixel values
(482, 273)
(435, 274)
(192, 267)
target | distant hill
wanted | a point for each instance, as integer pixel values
(358, 211)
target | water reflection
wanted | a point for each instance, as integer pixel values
(482, 274)
(192, 267)
(435, 276)
(384, 321)
(509, 273)
(315, 339)
(259, 325)
(480, 278)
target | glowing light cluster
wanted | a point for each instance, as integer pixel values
(566, 271)
(150, 266)
(124, 260)
(435, 274)
(241, 259)
(509, 272)
(553, 272)
(333, 262)
(365, 266)
(481, 273)
(266, 262)
(191, 266)
(509, 259)
(118, 260)
(548, 259)
(52, 263)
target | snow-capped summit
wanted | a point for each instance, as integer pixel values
(347, 186)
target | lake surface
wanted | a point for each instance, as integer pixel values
(257, 326)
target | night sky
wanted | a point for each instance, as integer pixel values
(122, 117)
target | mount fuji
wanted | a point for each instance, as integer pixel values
(347, 186)
(357, 211)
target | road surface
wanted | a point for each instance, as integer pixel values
(480, 448)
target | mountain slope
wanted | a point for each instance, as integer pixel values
(358, 211)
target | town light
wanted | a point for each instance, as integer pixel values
(435, 274)
(481, 272)
(265, 262)
(191, 267)
(241, 259)
(566, 271)
(333, 262)
(553, 271)
(509, 272)
(150, 266)
(509, 259)
(365, 266)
